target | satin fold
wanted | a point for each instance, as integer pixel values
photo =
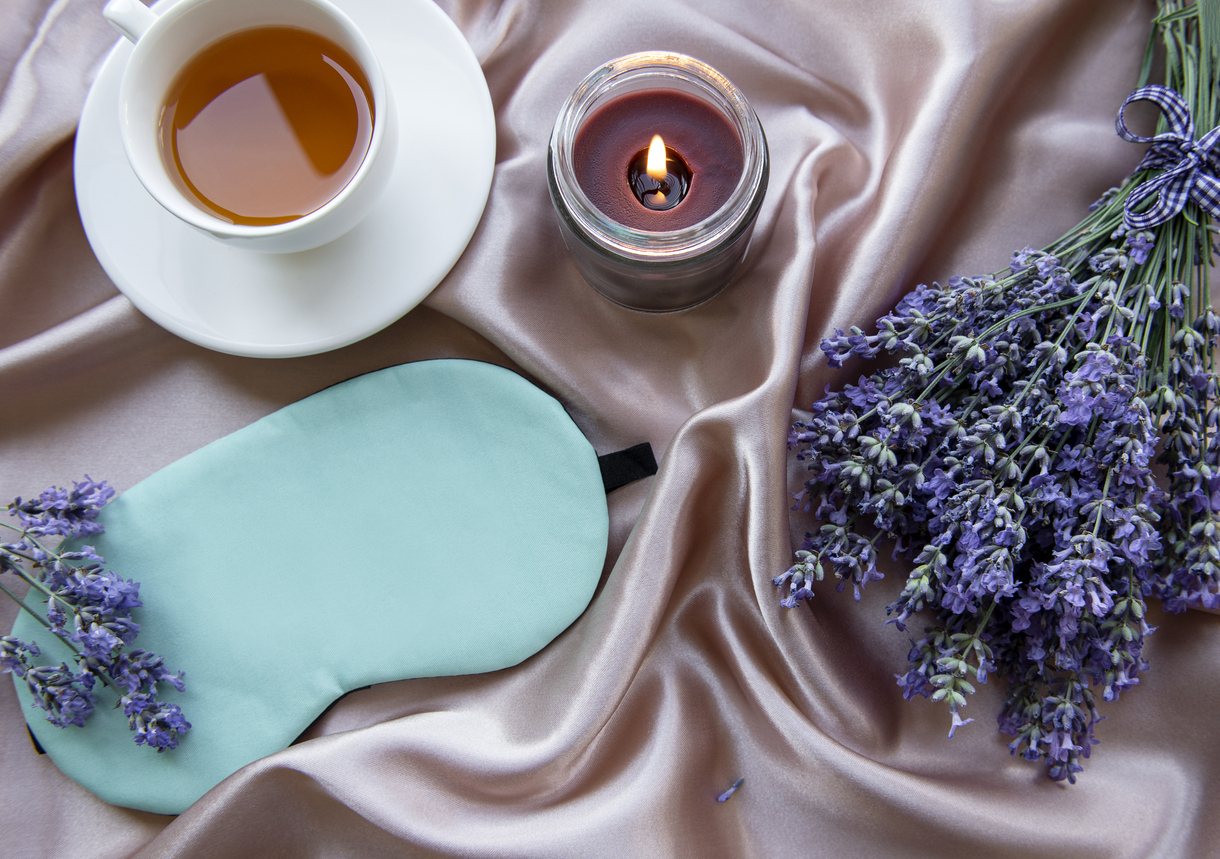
(910, 140)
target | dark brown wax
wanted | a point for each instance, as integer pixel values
(615, 133)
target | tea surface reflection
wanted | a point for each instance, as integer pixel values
(266, 125)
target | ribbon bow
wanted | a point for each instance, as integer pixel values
(1189, 164)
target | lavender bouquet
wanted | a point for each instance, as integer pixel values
(89, 610)
(1044, 443)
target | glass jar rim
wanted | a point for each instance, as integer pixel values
(667, 70)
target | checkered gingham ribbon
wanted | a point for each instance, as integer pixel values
(1189, 164)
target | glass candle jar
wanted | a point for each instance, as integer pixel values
(642, 254)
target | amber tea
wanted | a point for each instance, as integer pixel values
(266, 125)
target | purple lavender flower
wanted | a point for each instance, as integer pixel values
(66, 696)
(15, 655)
(733, 788)
(64, 512)
(1008, 452)
(140, 670)
(1021, 260)
(89, 608)
(957, 722)
(1139, 244)
(156, 724)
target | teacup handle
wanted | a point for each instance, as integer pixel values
(130, 17)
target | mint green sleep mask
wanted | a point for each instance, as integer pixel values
(431, 519)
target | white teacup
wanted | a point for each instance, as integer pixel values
(165, 40)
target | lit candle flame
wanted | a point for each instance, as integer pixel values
(656, 158)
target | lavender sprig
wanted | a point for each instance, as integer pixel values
(89, 609)
(1010, 451)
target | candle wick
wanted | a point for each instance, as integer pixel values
(659, 189)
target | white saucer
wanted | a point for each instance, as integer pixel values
(286, 305)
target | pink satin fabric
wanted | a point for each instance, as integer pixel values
(910, 140)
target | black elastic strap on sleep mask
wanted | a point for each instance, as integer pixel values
(626, 466)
